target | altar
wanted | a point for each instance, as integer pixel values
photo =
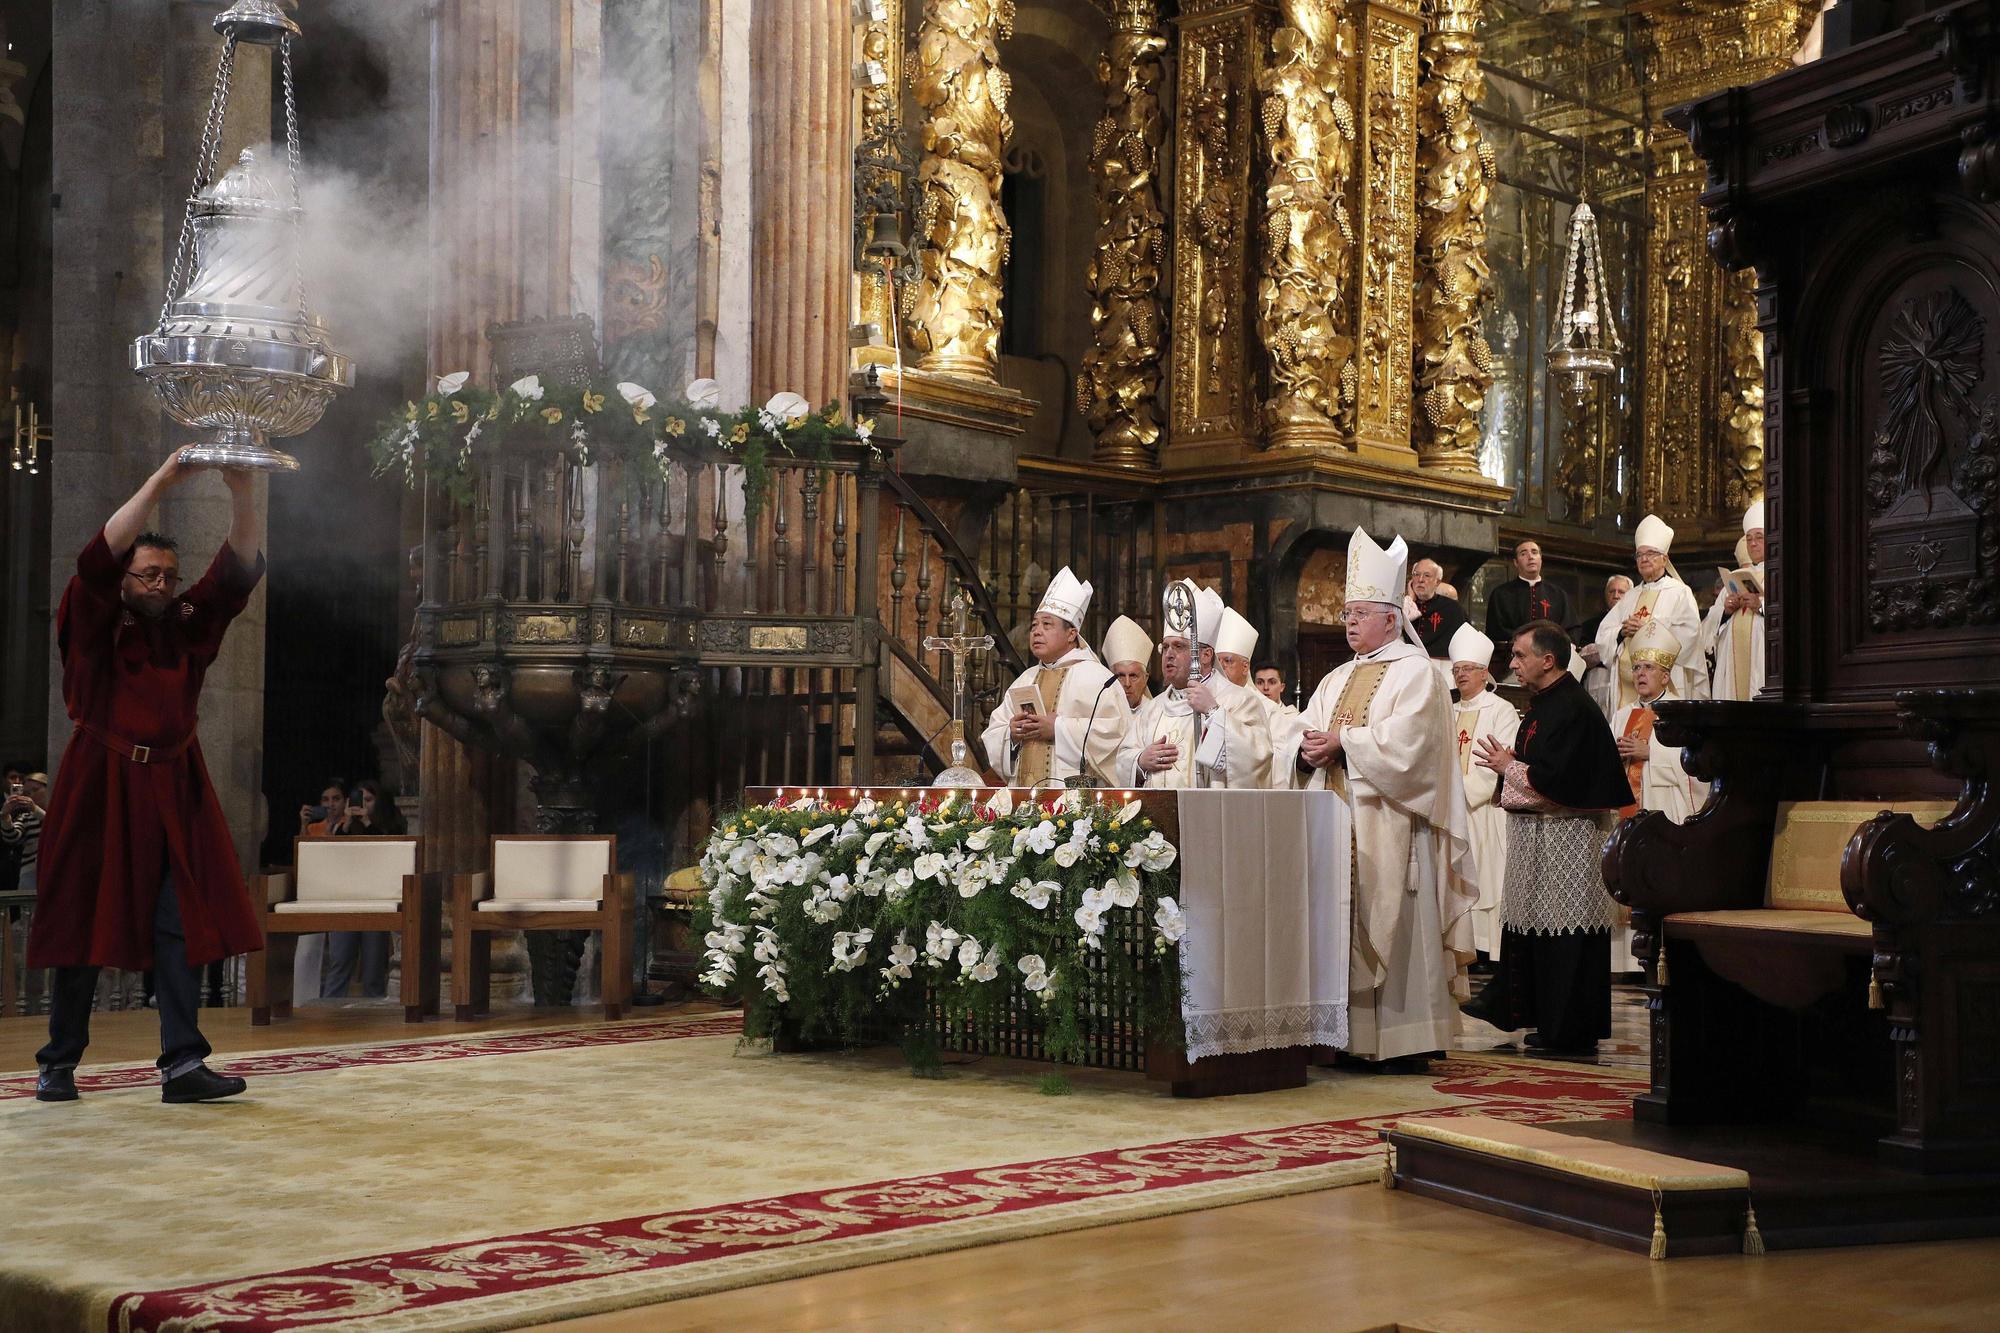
(1198, 936)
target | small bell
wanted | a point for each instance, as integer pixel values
(885, 237)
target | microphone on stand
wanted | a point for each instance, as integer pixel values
(1078, 780)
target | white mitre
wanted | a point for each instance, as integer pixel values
(1655, 643)
(1753, 517)
(1469, 645)
(1068, 597)
(1375, 574)
(1126, 642)
(1208, 609)
(1654, 533)
(1237, 635)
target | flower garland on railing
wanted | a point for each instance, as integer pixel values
(438, 437)
(824, 917)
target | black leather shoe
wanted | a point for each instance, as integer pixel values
(201, 1084)
(55, 1085)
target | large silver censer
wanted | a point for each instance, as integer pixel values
(237, 350)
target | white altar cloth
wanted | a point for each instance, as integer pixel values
(1269, 907)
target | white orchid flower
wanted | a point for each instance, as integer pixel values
(636, 395)
(703, 393)
(1030, 964)
(1172, 923)
(528, 388)
(1037, 981)
(1038, 893)
(915, 833)
(712, 427)
(452, 383)
(901, 882)
(864, 430)
(1090, 920)
(1079, 832)
(988, 968)
(969, 954)
(940, 940)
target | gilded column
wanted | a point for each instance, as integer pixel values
(804, 174)
(1454, 368)
(1742, 393)
(1309, 233)
(1213, 403)
(880, 108)
(953, 308)
(1119, 388)
(1382, 198)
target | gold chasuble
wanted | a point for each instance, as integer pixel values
(1033, 768)
(1742, 635)
(1352, 711)
(1468, 723)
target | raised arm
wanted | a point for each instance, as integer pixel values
(123, 527)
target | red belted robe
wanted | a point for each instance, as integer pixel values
(114, 824)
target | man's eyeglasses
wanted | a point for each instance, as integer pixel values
(155, 578)
(1353, 617)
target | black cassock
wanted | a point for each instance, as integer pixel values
(1437, 620)
(1513, 604)
(1554, 971)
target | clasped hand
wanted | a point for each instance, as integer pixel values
(1161, 755)
(1634, 747)
(1320, 748)
(1032, 727)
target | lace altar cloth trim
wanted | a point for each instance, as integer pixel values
(1554, 884)
(1239, 1031)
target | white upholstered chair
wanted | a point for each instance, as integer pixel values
(542, 882)
(358, 883)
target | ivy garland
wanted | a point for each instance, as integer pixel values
(833, 921)
(438, 438)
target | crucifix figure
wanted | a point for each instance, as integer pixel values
(960, 645)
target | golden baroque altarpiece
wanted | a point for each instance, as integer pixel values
(1291, 234)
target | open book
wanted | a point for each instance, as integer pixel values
(1746, 579)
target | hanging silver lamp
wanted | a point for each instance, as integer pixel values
(1584, 342)
(237, 350)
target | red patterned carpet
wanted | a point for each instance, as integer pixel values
(598, 1260)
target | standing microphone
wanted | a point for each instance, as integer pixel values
(1078, 780)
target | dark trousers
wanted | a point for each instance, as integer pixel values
(347, 948)
(177, 988)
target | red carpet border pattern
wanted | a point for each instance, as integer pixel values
(636, 1260)
(114, 1078)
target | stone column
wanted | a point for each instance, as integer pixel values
(1119, 387)
(1454, 368)
(129, 105)
(514, 230)
(802, 279)
(961, 235)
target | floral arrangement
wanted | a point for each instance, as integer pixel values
(437, 438)
(826, 917)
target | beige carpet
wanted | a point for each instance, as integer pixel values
(514, 1183)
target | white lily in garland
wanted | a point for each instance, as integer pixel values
(1172, 922)
(528, 388)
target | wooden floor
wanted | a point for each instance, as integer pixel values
(1342, 1260)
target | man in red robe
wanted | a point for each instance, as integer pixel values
(137, 866)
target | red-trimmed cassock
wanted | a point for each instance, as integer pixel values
(115, 824)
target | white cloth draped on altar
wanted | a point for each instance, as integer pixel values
(1268, 901)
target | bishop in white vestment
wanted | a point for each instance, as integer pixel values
(1202, 731)
(1733, 634)
(1129, 654)
(1659, 595)
(1064, 714)
(1378, 730)
(1236, 646)
(1481, 714)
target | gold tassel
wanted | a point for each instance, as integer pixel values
(1875, 1000)
(1660, 971)
(1659, 1246)
(1388, 1165)
(1753, 1239)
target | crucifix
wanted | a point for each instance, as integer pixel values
(960, 645)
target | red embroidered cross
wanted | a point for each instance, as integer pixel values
(1542, 607)
(1529, 734)
(1436, 619)
(1464, 738)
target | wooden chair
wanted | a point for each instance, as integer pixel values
(542, 882)
(358, 883)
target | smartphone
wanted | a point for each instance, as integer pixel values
(317, 814)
